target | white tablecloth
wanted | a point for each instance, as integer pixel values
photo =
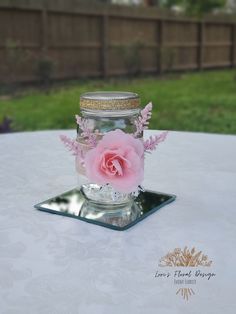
(53, 264)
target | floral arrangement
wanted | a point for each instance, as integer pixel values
(117, 158)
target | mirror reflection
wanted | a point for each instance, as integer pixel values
(74, 204)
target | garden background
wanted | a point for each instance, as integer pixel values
(52, 51)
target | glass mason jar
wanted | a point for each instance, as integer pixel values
(104, 112)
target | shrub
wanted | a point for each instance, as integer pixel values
(132, 57)
(44, 70)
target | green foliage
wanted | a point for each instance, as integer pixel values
(201, 7)
(168, 56)
(132, 57)
(196, 7)
(16, 58)
(170, 3)
(192, 102)
(44, 70)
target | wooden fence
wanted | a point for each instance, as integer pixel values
(107, 41)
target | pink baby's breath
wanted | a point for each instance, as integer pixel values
(72, 145)
(142, 121)
(151, 143)
(89, 136)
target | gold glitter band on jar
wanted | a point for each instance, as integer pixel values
(109, 101)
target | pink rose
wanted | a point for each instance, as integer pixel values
(118, 160)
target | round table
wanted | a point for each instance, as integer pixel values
(54, 264)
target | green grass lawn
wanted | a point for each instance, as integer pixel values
(203, 102)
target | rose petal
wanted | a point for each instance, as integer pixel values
(118, 160)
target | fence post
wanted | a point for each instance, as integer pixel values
(44, 27)
(160, 28)
(201, 28)
(233, 47)
(104, 46)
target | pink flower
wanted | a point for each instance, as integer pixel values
(118, 160)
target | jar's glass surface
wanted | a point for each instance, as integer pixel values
(120, 217)
(103, 121)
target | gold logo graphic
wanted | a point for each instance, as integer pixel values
(185, 292)
(185, 258)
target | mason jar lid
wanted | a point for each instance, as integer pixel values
(109, 101)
